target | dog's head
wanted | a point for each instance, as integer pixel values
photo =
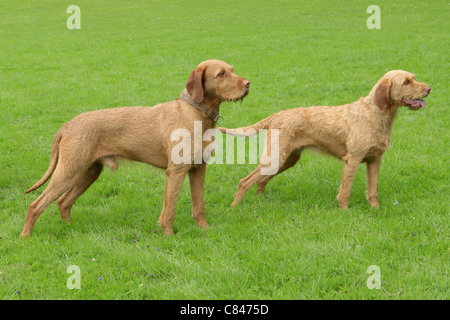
(216, 81)
(400, 88)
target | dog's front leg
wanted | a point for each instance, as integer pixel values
(350, 167)
(197, 181)
(174, 180)
(373, 168)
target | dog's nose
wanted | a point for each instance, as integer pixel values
(428, 89)
(246, 83)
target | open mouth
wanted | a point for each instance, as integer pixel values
(414, 104)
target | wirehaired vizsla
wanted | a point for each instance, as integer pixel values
(94, 139)
(356, 132)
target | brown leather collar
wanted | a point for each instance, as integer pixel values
(203, 107)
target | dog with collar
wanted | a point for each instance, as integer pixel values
(92, 140)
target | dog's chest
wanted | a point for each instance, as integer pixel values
(379, 144)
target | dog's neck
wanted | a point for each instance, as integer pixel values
(386, 117)
(209, 106)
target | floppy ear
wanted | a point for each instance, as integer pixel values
(382, 94)
(194, 85)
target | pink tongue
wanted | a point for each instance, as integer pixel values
(415, 103)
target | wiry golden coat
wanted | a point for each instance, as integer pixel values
(91, 140)
(355, 132)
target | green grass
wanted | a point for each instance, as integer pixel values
(291, 243)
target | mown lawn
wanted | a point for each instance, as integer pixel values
(291, 243)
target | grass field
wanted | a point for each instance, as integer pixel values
(291, 243)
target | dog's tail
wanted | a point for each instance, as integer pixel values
(247, 131)
(53, 161)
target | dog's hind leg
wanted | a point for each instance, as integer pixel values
(292, 159)
(60, 183)
(246, 183)
(66, 201)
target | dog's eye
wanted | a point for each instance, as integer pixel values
(406, 82)
(221, 74)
